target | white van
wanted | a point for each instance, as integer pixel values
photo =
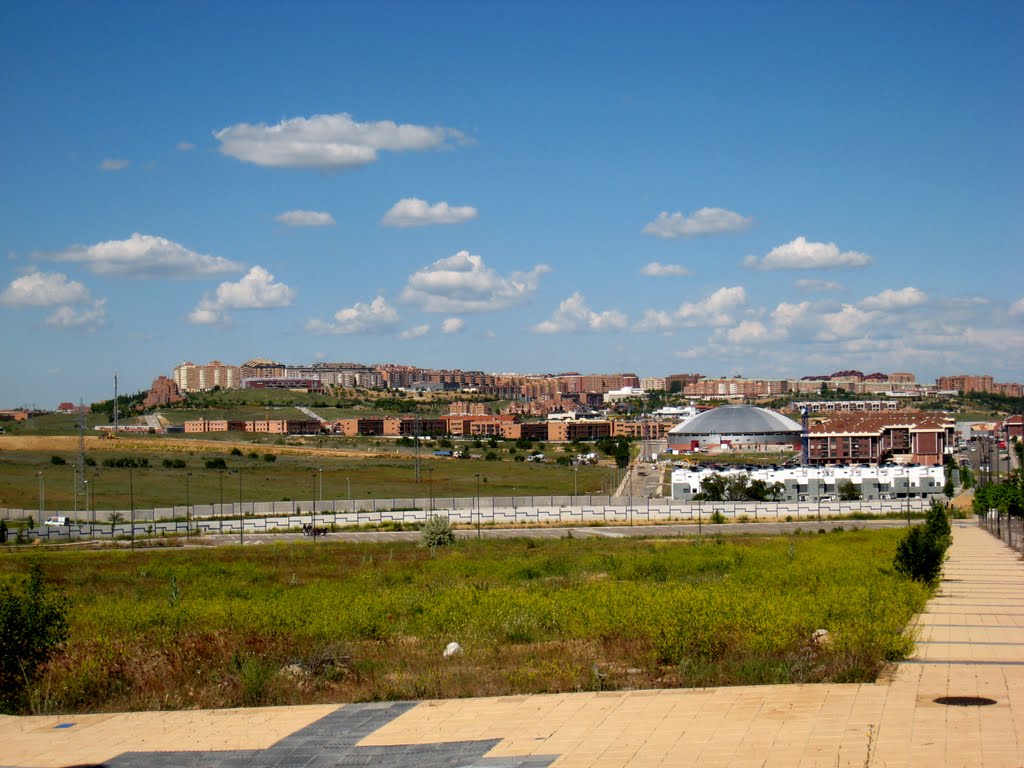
(58, 521)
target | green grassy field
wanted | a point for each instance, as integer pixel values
(300, 622)
(289, 477)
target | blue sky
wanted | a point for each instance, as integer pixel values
(762, 189)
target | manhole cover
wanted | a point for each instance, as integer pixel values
(965, 701)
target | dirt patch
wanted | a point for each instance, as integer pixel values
(156, 445)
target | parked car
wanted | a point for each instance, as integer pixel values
(57, 521)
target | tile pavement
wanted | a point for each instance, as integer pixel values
(971, 644)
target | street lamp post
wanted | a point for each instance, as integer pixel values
(320, 479)
(575, 487)
(241, 514)
(314, 508)
(220, 519)
(477, 476)
(131, 493)
(42, 495)
(430, 484)
(85, 483)
(188, 508)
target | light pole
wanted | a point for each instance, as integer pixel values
(430, 484)
(94, 479)
(320, 479)
(131, 493)
(220, 519)
(85, 482)
(348, 484)
(314, 508)
(629, 474)
(42, 495)
(477, 476)
(188, 508)
(241, 514)
(575, 487)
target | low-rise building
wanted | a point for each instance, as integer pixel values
(823, 483)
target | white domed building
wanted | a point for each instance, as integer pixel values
(736, 427)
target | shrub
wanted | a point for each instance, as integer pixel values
(270, 458)
(920, 553)
(236, 451)
(217, 463)
(32, 625)
(58, 460)
(438, 533)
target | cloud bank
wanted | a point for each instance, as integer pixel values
(801, 254)
(413, 212)
(706, 221)
(463, 283)
(147, 256)
(327, 141)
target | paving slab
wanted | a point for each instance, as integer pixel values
(970, 645)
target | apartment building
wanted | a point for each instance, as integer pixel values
(736, 388)
(871, 438)
(163, 391)
(190, 377)
(969, 383)
(586, 429)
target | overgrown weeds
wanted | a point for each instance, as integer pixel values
(292, 623)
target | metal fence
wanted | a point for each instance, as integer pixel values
(1005, 527)
(265, 517)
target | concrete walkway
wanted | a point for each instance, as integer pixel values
(971, 644)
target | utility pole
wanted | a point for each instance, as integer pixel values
(80, 467)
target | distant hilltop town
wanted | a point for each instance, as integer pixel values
(543, 392)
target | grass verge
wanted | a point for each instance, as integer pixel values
(296, 623)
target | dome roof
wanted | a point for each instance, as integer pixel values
(736, 420)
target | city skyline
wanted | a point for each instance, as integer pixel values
(770, 191)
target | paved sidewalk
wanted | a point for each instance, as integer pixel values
(971, 644)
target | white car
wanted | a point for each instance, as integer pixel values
(57, 521)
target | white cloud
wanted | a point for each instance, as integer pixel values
(89, 318)
(305, 219)
(453, 325)
(968, 301)
(714, 310)
(413, 212)
(374, 317)
(257, 290)
(1017, 308)
(205, 316)
(415, 332)
(463, 283)
(114, 164)
(801, 254)
(185, 146)
(43, 289)
(818, 286)
(706, 221)
(573, 314)
(890, 299)
(147, 256)
(748, 332)
(326, 141)
(657, 269)
(846, 323)
(786, 315)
